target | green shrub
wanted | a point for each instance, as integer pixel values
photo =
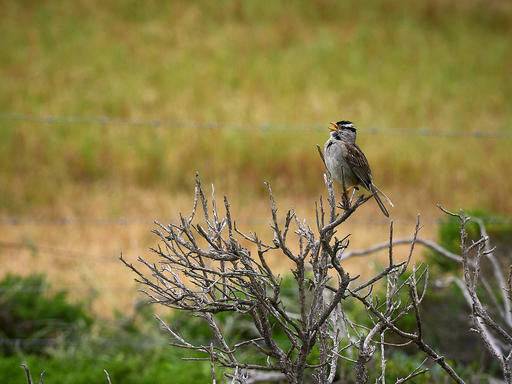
(30, 317)
(140, 368)
(131, 348)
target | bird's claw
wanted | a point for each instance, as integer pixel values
(345, 201)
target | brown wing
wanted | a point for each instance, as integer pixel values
(357, 162)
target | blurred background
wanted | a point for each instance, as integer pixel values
(108, 108)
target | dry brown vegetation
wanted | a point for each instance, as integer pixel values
(84, 256)
(400, 67)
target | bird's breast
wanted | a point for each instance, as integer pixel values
(335, 163)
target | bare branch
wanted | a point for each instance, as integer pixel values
(29, 377)
(27, 372)
(428, 243)
(108, 376)
(417, 371)
(210, 267)
(494, 336)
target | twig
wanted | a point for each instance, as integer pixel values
(414, 373)
(428, 243)
(108, 376)
(27, 372)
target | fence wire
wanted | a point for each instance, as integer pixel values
(19, 246)
(155, 123)
(49, 342)
(76, 254)
(68, 221)
(121, 221)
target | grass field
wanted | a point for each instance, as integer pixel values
(398, 66)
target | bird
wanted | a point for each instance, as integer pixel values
(344, 159)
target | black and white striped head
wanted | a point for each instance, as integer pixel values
(343, 130)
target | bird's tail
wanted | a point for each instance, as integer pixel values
(376, 191)
(381, 205)
(384, 196)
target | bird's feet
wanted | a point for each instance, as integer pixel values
(346, 202)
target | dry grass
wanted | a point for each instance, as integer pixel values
(84, 257)
(395, 65)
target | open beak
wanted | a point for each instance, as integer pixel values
(333, 127)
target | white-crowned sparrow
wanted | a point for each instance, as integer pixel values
(344, 157)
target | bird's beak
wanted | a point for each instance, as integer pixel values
(333, 127)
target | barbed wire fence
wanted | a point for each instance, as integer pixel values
(154, 123)
(35, 247)
(160, 123)
(17, 221)
(103, 120)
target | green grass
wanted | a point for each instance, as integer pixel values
(131, 348)
(134, 349)
(437, 65)
(126, 366)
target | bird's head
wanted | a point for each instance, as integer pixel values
(343, 130)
